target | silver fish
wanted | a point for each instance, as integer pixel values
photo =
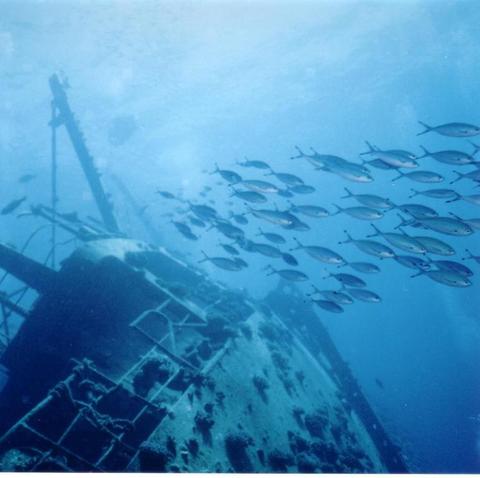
(458, 158)
(401, 241)
(289, 259)
(253, 164)
(222, 262)
(413, 262)
(250, 196)
(418, 211)
(420, 176)
(272, 237)
(228, 230)
(452, 266)
(203, 211)
(452, 279)
(456, 130)
(351, 171)
(289, 274)
(369, 200)
(230, 176)
(471, 198)
(311, 211)
(286, 178)
(329, 306)
(229, 248)
(336, 296)
(435, 246)
(321, 254)
(435, 193)
(348, 279)
(365, 267)
(359, 212)
(302, 189)
(240, 262)
(393, 157)
(447, 225)
(266, 249)
(370, 247)
(365, 295)
(259, 186)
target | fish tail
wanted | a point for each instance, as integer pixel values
(459, 176)
(476, 147)
(301, 154)
(205, 258)
(371, 149)
(270, 268)
(314, 151)
(401, 174)
(349, 238)
(299, 245)
(377, 231)
(415, 193)
(260, 233)
(249, 209)
(338, 211)
(470, 255)
(349, 194)
(427, 128)
(425, 152)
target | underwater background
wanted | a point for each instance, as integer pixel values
(164, 90)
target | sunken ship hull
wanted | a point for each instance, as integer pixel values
(132, 360)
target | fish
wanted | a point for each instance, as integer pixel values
(229, 248)
(472, 175)
(456, 130)
(350, 171)
(359, 212)
(316, 159)
(196, 222)
(240, 262)
(228, 230)
(458, 158)
(26, 178)
(250, 196)
(222, 262)
(272, 237)
(310, 211)
(230, 176)
(165, 194)
(296, 224)
(185, 230)
(393, 157)
(321, 254)
(370, 247)
(286, 178)
(285, 193)
(202, 211)
(417, 211)
(420, 176)
(452, 279)
(12, 205)
(412, 262)
(379, 164)
(256, 185)
(266, 250)
(273, 216)
(253, 164)
(347, 279)
(471, 198)
(471, 256)
(288, 274)
(369, 200)
(301, 189)
(365, 267)
(365, 295)
(435, 193)
(474, 222)
(289, 259)
(239, 218)
(452, 266)
(446, 225)
(401, 241)
(329, 306)
(435, 246)
(336, 296)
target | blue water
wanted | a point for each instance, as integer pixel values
(204, 82)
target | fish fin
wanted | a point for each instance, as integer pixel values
(371, 148)
(415, 193)
(459, 176)
(427, 128)
(425, 153)
(349, 194)
(338, 211)
(314, 151)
